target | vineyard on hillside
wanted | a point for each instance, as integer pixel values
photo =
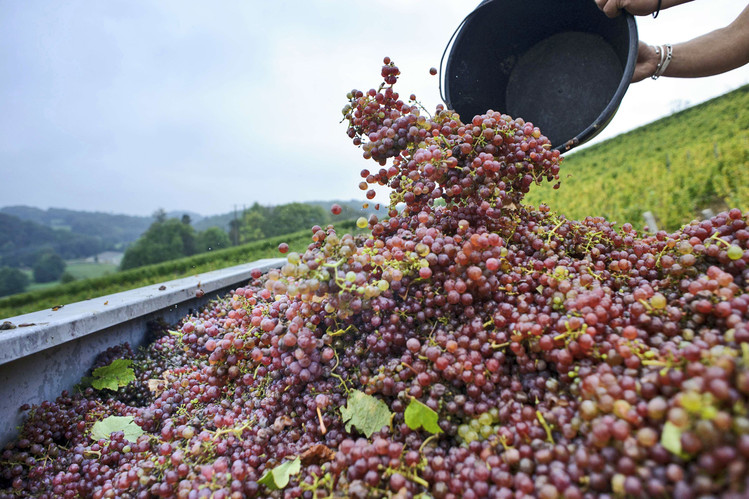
(675, 167)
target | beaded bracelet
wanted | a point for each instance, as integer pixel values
(665, 54)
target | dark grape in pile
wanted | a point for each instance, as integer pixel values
(467, 346)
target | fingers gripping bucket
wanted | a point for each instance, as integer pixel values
(562, 65)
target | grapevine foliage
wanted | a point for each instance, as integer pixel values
(114, 376)
(418, 415)
(111, 424)
(278, 477)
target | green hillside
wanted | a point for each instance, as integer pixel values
(21, 241)
(674, 167)
(111, 230)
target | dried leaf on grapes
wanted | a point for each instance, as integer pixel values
(317, 454)
(156, 386)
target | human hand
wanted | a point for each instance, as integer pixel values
(613, 8)
(647, 61)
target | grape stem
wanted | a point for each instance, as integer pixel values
(546, 426)
(594, 274)
(421, 447)
(646, 305)
(411, 368)
(317, 485)
(340, 331)
(409, 475)
(658, 363)
(503, 441)
(237, 431)
(323, 430)
(716, 237)
(333, 373)
(177, 334)
(551, 233)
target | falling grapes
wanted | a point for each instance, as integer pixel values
(469, 346)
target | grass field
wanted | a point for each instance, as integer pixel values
(78, 269)
(88, 270)
(36, 286)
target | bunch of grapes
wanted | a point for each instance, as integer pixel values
(468, 346)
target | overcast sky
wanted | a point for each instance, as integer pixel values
(126, 106)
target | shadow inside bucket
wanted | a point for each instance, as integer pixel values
(564, 66)
(542, 89)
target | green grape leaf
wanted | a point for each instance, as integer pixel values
(671, 438)
(419, 415)
(365, 412)
(279, 477)
(111, 424)
(117, 374)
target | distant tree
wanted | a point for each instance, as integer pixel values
(159, 215)
(211, 239)
(164, 240)
(259, 222)
(12, 281)
(67, 277)
(186, 219)
(251, 226)
(294, 217)
(48, 267)
(22, 241)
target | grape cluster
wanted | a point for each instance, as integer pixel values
(561, 358)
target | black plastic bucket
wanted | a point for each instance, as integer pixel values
(562, 65)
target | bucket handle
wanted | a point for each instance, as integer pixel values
(449, 43)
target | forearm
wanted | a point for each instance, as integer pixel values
(713, 53)
(613, 8)
(672, 3)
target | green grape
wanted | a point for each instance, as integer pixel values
(691, 401)
(470, 436)
(734, 252)
(463, 430)
(658, 301)
(485, 419)
(293, 258)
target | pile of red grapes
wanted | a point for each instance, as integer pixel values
(468, 346)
